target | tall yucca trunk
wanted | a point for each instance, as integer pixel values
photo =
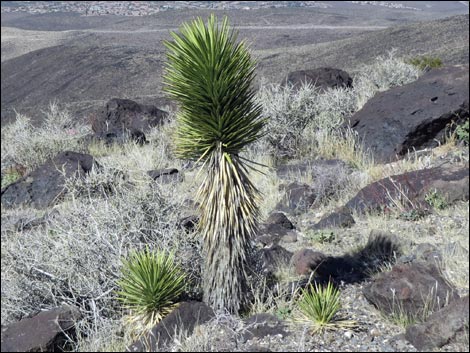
(210, 75)
(229, 213)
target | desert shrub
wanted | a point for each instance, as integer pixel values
(150, 284)
(384, 73)
(75, 258)
(290, 111)
(298, 119)
(30, 146)
(426, 62)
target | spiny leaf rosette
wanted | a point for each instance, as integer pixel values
(210, 74)
(149, 286)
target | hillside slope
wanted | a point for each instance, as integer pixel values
(91, 68)
(447, 39)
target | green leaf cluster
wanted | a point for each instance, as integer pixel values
(436, 199)
(320, 304)
(209, 74)
(10, 178)
(150, 284)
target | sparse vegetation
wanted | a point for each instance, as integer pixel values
(462, 132)
(323, 236)
(308, 121)
(436, 200)
(75, 256)
(403, 317)
(10, 177)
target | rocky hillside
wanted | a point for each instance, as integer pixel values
(359, 241)
(382, 218)
(93, 67)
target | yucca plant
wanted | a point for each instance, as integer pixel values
(320, 304)
(209, 73)
(150, 284)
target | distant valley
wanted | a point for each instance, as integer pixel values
(83, 61)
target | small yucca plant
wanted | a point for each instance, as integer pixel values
(150, 284)
(320, 304)
(319, 307)
(209, 74)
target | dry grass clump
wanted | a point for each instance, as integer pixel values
(104, 335)
(30, 146)
(402, 317)
(453, 225)
(277, 300)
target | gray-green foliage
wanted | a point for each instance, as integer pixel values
(30, 145)
(292, 114)
(209, 73)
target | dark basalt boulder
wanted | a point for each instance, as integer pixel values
(185, 317)
(268, 260)
(323, 78)
(121, 119)
(44, 332)
(297, 199)
(447, 324)
(451, 183)
(414, 116)
(409, 289)
(44, 186)
(277, 227)
(307, 260)
(341, 218)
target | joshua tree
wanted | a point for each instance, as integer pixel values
(209, 74)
